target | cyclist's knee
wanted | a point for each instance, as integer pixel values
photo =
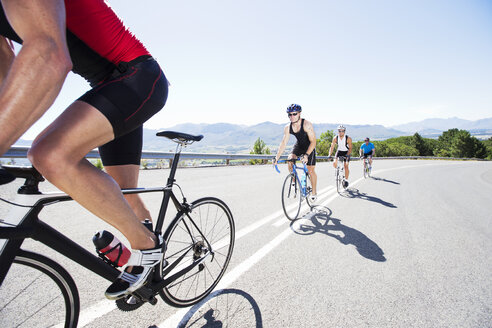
(50, 161)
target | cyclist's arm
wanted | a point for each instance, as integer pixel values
(37, 74)
(333, 142)
(373, 151)
(283, 144)
(308, 128)
(360, 151)
(6, 57)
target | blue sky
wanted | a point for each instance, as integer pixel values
(352, 61)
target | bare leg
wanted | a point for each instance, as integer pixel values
(346, 164)
(127, 177)
(313, 177)
(291, 156)
(58, 153)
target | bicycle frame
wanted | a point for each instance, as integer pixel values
(23, 222)
(294, 170)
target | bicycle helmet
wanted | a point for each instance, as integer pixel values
(341, 127)
(366, 139)
(294, 108)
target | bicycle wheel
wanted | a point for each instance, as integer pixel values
(338, 181)
(38, 292)
(199, 247)
(291, 197)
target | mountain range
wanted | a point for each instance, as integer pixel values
(237, 138)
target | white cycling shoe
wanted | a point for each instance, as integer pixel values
(142, 261)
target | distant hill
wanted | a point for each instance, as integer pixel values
(237, 138)
(444, 124)
(240, 138)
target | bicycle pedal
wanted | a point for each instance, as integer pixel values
(146, 294)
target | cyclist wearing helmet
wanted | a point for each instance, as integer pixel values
(344, 148)
(367, 149)
(305, 147)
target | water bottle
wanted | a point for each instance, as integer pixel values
(303, 180)
(110, 249)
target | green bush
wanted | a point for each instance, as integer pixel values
(259, 148)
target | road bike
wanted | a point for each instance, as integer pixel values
(295, 189)
(367, 168)
(37, 291)
(340, 174)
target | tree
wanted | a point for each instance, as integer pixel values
(422, 145)
(259, 148)
(459, 143)
(488, 147)
(323, 144)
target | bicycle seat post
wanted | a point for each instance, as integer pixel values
(174, 166)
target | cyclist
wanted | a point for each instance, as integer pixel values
(344, 148)
(305, 147)
(128, 87)
(367, 150)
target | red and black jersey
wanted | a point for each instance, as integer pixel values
(97, 39)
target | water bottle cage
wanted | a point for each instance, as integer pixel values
(105, 259)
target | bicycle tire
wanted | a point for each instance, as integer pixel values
(338, 181)
(34, 292)
(366, 170)
(192, 232)
(291, 197)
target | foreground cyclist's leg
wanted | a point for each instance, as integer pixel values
(314, 178)
(121, 159)
(59, 155)
(127, 177)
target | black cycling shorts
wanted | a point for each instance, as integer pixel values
(311, 158)
(343, 153)
(367, 155)
(134, 93)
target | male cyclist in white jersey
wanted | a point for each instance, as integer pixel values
(305, 146)
(344, 148)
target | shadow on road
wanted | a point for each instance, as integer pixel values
(384, 180)
(318, 221)
(355, 193)
(224, 308)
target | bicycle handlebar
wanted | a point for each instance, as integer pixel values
(293, 160)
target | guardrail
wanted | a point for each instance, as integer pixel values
(21, 152)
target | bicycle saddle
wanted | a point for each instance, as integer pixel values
(179, 136)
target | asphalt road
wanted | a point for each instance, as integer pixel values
(409, 247)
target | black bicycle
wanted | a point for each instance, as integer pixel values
(37, 291)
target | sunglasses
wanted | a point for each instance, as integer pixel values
(292, 114)
(341, 130)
